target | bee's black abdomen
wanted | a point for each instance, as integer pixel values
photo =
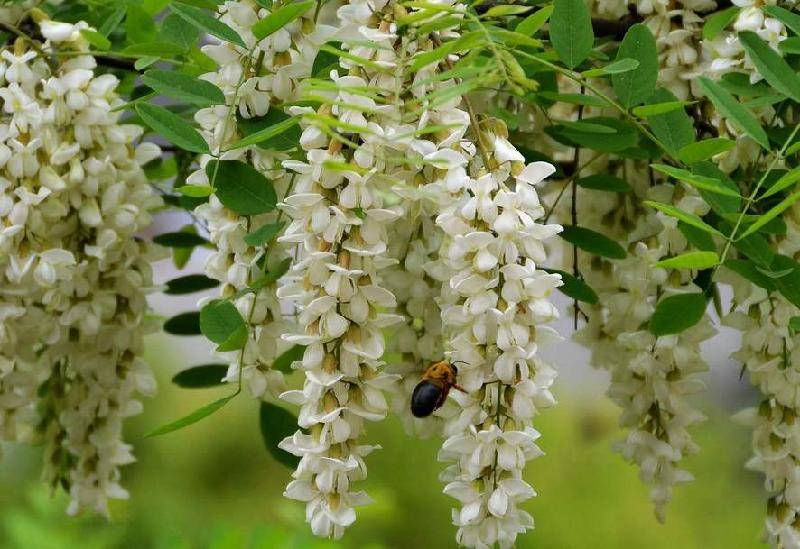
(425, 397)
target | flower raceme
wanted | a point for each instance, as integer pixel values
(494, 310)
(72, 196)
(255, 80)
(339, 222)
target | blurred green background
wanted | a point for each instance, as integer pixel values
(213, 485)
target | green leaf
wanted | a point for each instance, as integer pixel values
(789, 284)
(190, 284)
(721, 204)
(285, 138)
(111, 22)
(465, 42)
(658, 108)
(774, 274)
(747, 270)
(739, 84)
(677, 313)
(789, 46)
(593, 242)
(325, 61)
(195, 191)
(686, 217)
(510, 39)
(266, 134)
(615, 67)
(574, 287)
(144, 62)
(506, 9)
(793, 149)
(276, 424)
(237, 340)
(697, 238)
(636, 86)
(703, 150)
(730, 108)
(159, 50)
(96, 39)
(604, 182)
(702, 182)
(794, 324)
(775, 226)
(571, 31)
(208, 24)
(179, 240)
(765, 101)
(531, 24)
(690, 260)
(787, 180)
(201, 377)
(788, 18)
(181, 256)
(184, 87)
(219, 320)
(756, 248)
(587, 127)
(284, 361)
(280, 18)
(263, 234)
(674, 128)
(176, 29)
(194, 417)
(172, 127)
(771, 214)
(273, 275)
(139, 25)
(714, 24)
(775, 70)
(184, 324)
(240, 187)
(624, 137)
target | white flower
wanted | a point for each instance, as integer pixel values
(652, 378)
(62, 32)
(74, 277)
(494, 302)
(770, 355)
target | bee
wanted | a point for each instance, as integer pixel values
(431, 392)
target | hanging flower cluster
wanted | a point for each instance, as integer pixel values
(339, 221)
(494, 304)
(770, 356)
(652, 377)
(74, 277)
(255, 79)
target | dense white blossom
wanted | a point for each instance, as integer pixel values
(494, 306)
(255, 80)
(770, 355)
(73, 275)
(339, 223)
(652, 378)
